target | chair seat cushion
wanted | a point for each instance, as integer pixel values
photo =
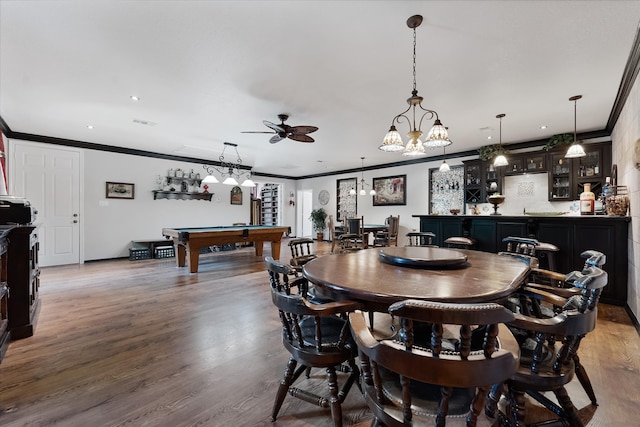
(331, 327)
(425, 397)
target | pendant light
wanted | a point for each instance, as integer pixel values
(500, 160)
(576, 149)
(362, 192)
(437, 135)
(444, 167)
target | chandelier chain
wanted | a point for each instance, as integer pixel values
(414, 62)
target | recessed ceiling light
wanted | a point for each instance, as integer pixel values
(89, 126)
(543, 126)
(489, 137)
(134, 98)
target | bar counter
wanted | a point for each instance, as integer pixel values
(572, 234)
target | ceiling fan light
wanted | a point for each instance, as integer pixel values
(210, 179)
(392, 141)
(501, 160)
(575, 151)
(230, 181)
(444, 167)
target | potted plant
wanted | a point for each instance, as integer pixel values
(319, 220)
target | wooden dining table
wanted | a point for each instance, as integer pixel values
(436, 274)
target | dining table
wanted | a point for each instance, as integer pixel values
(368, 229)
(379, 277)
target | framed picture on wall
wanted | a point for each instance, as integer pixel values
(390, 190)
(346, 204)
(446, 191)
(236, 195)
(120, 190)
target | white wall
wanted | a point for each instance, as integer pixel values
(625, 135)
(109, 225)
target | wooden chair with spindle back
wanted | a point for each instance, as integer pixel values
(316, 336)
(441, 362)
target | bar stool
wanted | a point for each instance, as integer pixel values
(420, 238)
(459, 242)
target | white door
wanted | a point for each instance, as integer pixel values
(50, 179)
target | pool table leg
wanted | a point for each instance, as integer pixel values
(275, 250)
(258, 246)
(193, 260)
(180, 254)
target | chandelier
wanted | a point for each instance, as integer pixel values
(232, 171)
(437, 135)
(500, 160)
(576, 149)
(362, 192)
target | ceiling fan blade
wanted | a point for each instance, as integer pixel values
(275, 138)
(255, 131)
(300, 137)
(303, 129)
(273, 126)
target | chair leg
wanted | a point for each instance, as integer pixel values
(334, 400)
(569, 409)
(492, 400)
(584, 379)
(476, 406)
(284, 387)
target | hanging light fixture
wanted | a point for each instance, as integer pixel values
(444, 167)
(576, 149)
(232, 171)
(500, 160)
(362, 192)
(437, 135)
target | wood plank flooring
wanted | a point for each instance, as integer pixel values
(144, 343)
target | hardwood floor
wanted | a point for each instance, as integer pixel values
(144, 343)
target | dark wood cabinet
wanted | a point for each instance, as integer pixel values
(5, 333)
(568, 176)
(23, 278)
(482, 179)
(571, 234)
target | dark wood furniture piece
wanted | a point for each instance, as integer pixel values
(316, 337)
(23, 278)
(390, 236)
(547, 363)
(191, 240)
(367, 230)
(443, 361)
(571, 234)
(362, 276)
(5, 332)
(566, 176)
(544, 252)
(301, 252)
(418, 238)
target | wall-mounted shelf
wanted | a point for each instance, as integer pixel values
(179, 195)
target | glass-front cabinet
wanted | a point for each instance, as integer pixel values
(560, 178)
(473, 181)
(492, 181)
(568, 176)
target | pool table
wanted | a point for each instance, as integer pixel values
(191, 240)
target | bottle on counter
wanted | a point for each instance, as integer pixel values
(587, 201)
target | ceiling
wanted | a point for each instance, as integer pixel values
(207, 70)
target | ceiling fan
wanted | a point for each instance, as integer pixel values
(282, 131)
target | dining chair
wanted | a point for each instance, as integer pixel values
(390, 235)
(301, 252)
(530, 246)
(442, 362)
(420, 238)
(548, 350)
(332, 233)
(355, 226)
(316, 336)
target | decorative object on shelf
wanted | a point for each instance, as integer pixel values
(437, 136)
(500, 160)
(446, 190)
(362, 192)
(119, 190)
(323, 197)
(346, 204)
(390, 190)
(229, 169)
(318, 219)
(236, 195)
(558, 140)
(576, 149)
(495, 200)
